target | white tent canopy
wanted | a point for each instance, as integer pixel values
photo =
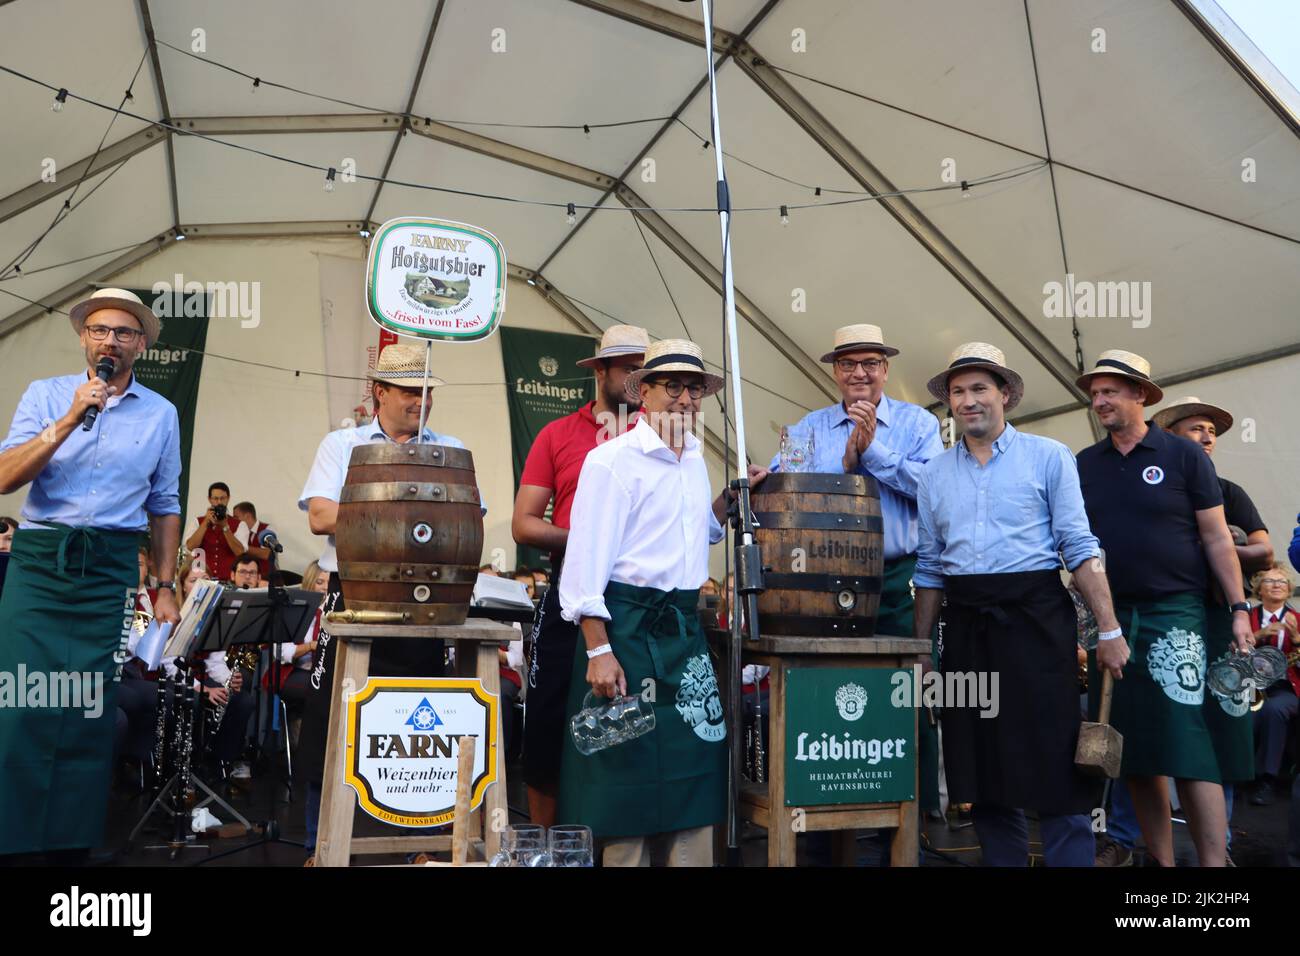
(1137, 142)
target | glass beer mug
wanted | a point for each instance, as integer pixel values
(796, 451)
(600, 726)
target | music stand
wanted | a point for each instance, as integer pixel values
(276, 616)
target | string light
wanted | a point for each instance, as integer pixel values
(329, 180)
(572, 217)
(257, 81)
(586, 130)
(965, 189)
(817, 191)
(785, 216)
(60, 98)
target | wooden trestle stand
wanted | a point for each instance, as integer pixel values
(765, 804)
(477, 642)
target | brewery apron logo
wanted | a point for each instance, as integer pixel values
(1177, 663)
(403, 746)
(851, 701)
(1238, 704)
(1153, 475)
(699, 702)
(548, 365)
(436, 279)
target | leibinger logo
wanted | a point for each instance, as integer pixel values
(225, 300)
(77, 909)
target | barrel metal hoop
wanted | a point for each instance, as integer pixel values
(435, 491)
(800, 625)
(860, 584)
(817, 521)
(818, 484)
(382, 571)
(395, 453)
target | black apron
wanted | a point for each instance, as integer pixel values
(1020, 626)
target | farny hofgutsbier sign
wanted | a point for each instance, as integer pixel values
(436, 279)
(845, 742)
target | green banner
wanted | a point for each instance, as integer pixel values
(542, 384)
(173, 366)
(845, 741)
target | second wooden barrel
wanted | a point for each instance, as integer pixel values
(823, 537)
(410, 533)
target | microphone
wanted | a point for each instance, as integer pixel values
(269, 540)
(103, 371)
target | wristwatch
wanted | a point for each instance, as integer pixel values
(1239, 606)
(167, 586)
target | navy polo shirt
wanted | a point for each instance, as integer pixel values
(1142, 507)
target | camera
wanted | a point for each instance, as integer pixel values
(220, 512)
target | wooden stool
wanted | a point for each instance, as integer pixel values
(477, 642)
(764, 804)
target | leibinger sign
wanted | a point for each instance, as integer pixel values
(435, 279)
(403, 745)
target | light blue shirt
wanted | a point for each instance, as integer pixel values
(1013, 514)
(114, 476)
(907, 436)
(330, 470)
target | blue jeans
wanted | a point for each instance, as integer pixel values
(1004, 837)
(1122, 822)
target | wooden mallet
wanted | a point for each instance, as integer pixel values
(1100, 745)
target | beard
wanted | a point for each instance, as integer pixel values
(616, 397)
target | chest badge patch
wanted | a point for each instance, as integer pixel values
(1153, 475)
(1177, 663)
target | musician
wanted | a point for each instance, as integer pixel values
(636, 555)
(870, 433)
(216, 533)
(1275, 624)
(551, 476)
(396, 385)
(249, 534)
(998, 514)
(1154, 502)
(1227, 718)
(70, 591)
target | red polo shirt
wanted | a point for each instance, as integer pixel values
(556, 458)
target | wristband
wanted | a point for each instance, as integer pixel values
(1110, 635)
(167, 586)
(603, 649)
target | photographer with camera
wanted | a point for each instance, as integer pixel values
(215, 534)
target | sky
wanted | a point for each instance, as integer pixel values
(1274, 27)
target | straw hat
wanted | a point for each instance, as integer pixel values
(117, 299)
(402, 365)
(619, 340)
(1127, 365)
(1187, 407)
(673, 355)
(977, 355)
(858, 338)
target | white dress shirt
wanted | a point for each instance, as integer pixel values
(641, 516)
(330, 470)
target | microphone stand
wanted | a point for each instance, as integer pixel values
(743, 617)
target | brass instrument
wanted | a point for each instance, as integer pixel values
(140, 623)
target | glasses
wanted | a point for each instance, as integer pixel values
(870, 366)
(674, 388)
(122, 334)
(1282, 581)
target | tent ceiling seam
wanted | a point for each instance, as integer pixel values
(151, 41)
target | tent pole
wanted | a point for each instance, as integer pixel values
(743, 602)
(424, 391)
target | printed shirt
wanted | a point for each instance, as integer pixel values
(330, 470)
(641, 516)
(1023, 511)
(1142, 507)
(907, 436)
(114, 476)
(556, 458)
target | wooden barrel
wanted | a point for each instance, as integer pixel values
(823, 537)
(410, 533)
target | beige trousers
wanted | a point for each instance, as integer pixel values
(680, 848)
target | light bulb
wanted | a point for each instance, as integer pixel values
(572, 217)
(329, 180)
(60, 98)
(785, 216)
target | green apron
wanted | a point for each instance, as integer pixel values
(1228, 718)
(67, 607)
(1159, 706)
(674, 777)
(895, 618)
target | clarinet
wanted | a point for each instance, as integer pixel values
(160, 731)
(185, 739)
